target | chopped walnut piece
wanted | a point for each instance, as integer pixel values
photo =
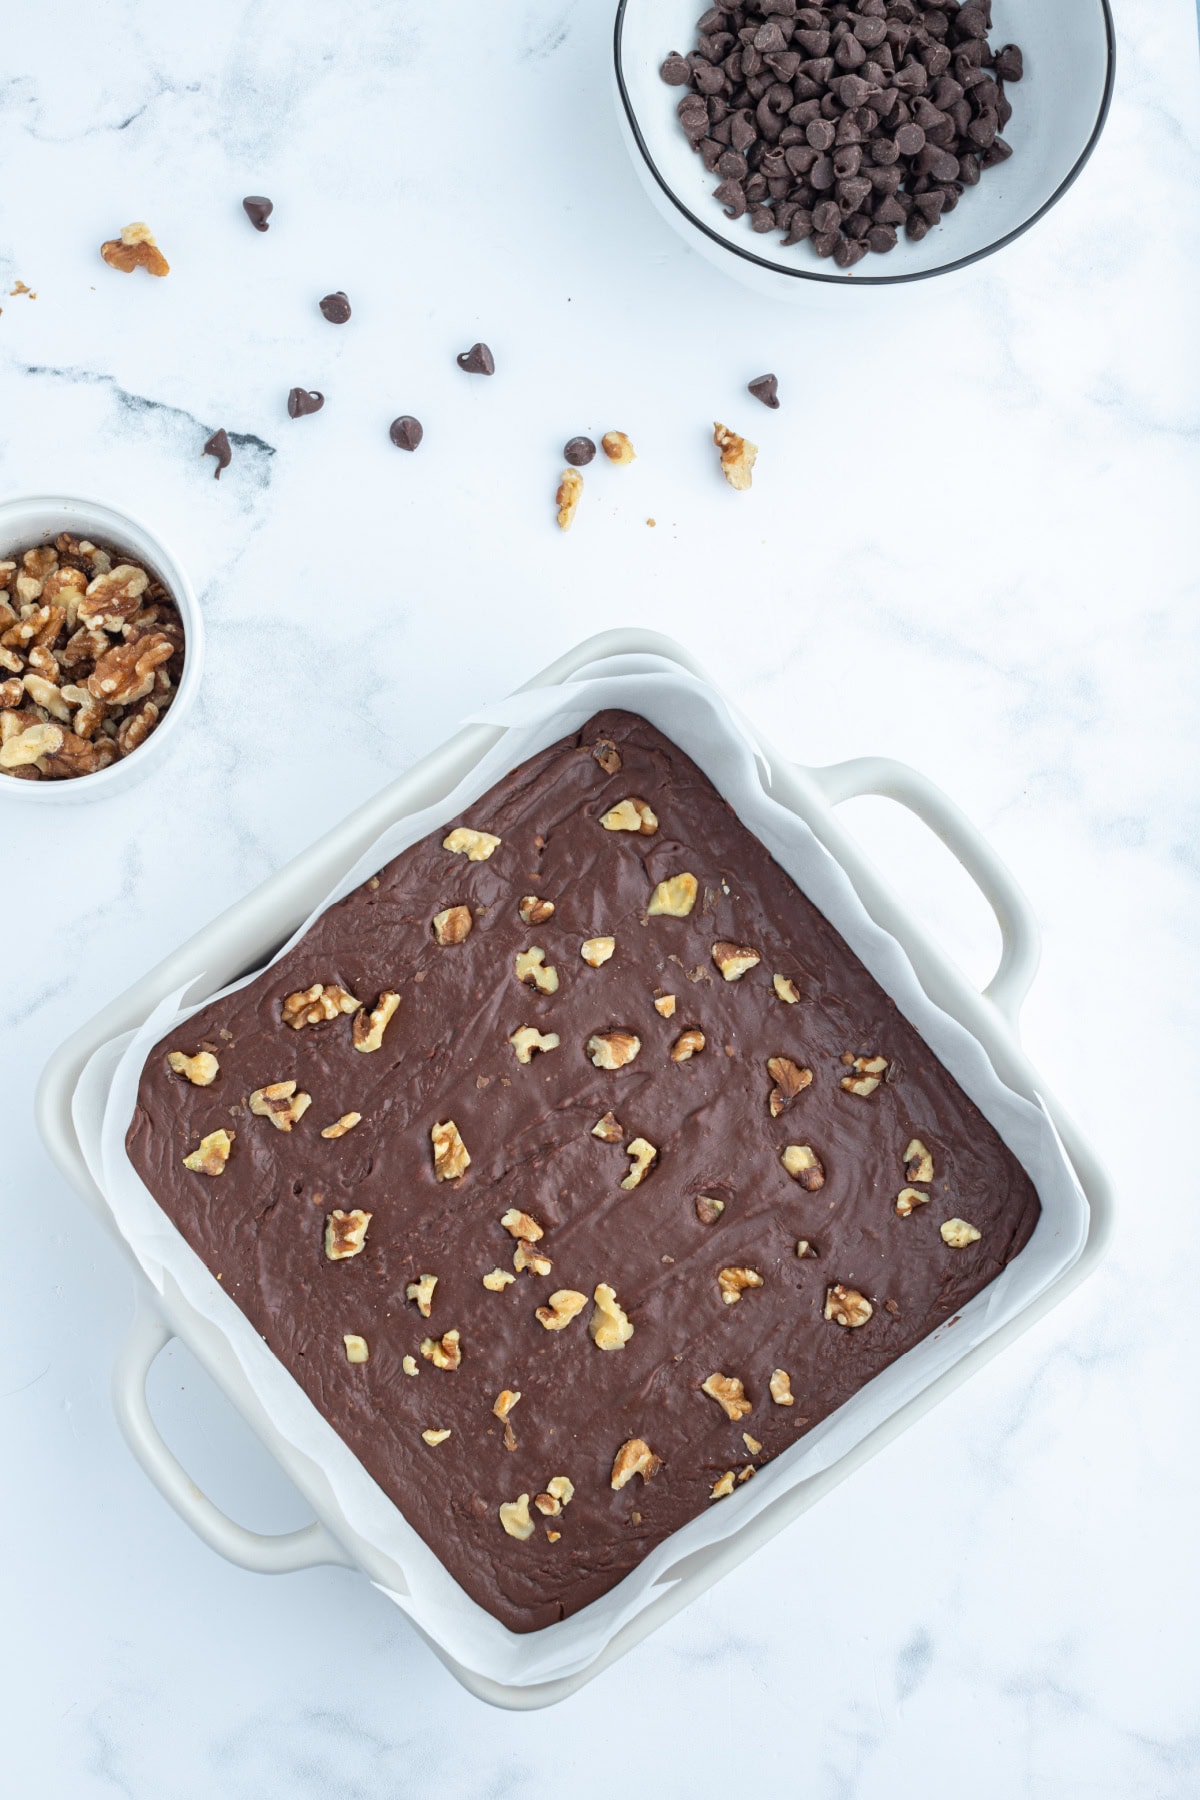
(570, 493)
(561, 1488)
(564, 1305)
(528, 1256)
(613, 1049)
(444, 1352)
(534, 911)
(316, 1004)
(498, 1280)
(549, 1504)
(738, 456)
(787, 990)
(12, 693)
(280, 1103)
(804, 1165)
(528, 1039)
(907, 1199)
(674, 898)
(552, 1537)
(341, 1126)
(422, 1293)
(722, 1486)
(630, 815)
(957, 1233)
(608, 1129)
(201, 1070)
(135, 728)
(618, 449)
(452, 925)
(530, 968)
(125, 671)
(729, 1395)
(734, 960)
(752, 1444)
(521, 1225)
(635, 1457)
(451, 1158)
(643, 1155)
(135, 249)
(846, 1306)
(409, 1365)
(868, 1073)
(25, 747)
(665, 1005)
(48, 696)
(746, 1473)
(504, 1402)
(112, 599)
(733, 1282)
(780, 1385)
(688, 1044)
(607, 755)
(514, 1516)
(789, 1078)
(596, 951)
(435, 1437)
(357, 1350)
(211, 1154)
(476, 846)
(369, 1027)
(345, 1233)
(918, 1163)
(609, 1326)
(805, 1248)
(708, 1209)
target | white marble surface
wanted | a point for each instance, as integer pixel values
(966, 547)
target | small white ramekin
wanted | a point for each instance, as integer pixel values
(38, 519)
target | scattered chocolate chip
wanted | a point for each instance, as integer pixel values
(304, 400)
(766, 389)
(336, 308)
(676, 71)
(478, 360)
(579, 452)
(218, 446)
(258, 210)
(406, 432)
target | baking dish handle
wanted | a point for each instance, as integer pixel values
(307, 1548)
(1020, 937)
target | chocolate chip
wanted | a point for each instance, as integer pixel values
(579, 452)
(406, 432)
(478, 360)
(766, 389)
(1009, 64)
(336, 308)
(258, 210)
(218, 445)
(304, 400)
(675, 71)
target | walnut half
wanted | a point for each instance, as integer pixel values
(314, 1005)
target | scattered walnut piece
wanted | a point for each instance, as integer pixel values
(422, 1292)
(435, 1437)
(787, 990)
(211, 1154)
(957, 1233)
(674, 898)
(733, 1282)
(409, 1365)
(280, 1103)
(201, 1070)
(504, 1402)
(451, 1158)
(514, 1516)
(596, 951)
(314, 1005)
(734, 960)
(530, 968)
(607, 755)
(789, 1078)
(630, 815)
(729, 1395)
(689, 1043)
(781, 1388)
(846, 1306)
(561, 1488)
(570, 493)
(805, 1248)
(617, 447)
(608, 1129)
(528, 1256)
(738, 457)
(135, 249)
(635, 1457)
(869, 1071)
(341, 1126)
(746, 1473)
(609, 1326)
(369, 1027)
(708, 1209)
(752, 1444)
(613, 1049)
(907, 1199)
(564, 1305)
(643, 1155)
(521, 1225)
(665, 1005)
(918, 1163)
(534, 911)
(444, 1352)
(722, 1486)
(552, 1537)
(476, 846)
(498, 1280)
(345, 1233)
(452, 925)
(528, 1039)
(356, 1347)
(804, 1165)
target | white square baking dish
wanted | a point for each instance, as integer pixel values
(249, 934)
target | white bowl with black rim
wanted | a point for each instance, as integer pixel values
(1059, 110)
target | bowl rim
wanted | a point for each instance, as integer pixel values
(849, 278)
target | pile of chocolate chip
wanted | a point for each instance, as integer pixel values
(845, 123)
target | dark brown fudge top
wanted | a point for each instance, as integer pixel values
(446, 1054)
